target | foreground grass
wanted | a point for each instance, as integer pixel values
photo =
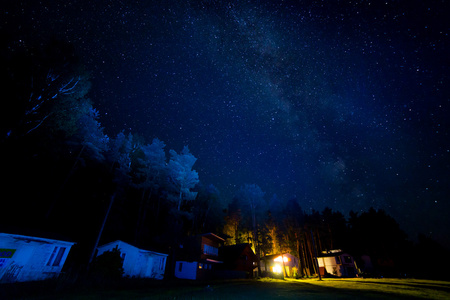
(354, 288)
(427, 289)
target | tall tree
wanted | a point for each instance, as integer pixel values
(151, 168)
(293, 227)
(85, 136)
(270, 232)
(207, 210)
(120, 150)
(90, 132)
(334, 232)
(120, 155)
(233, 224)
(253, 197)
(181, 176)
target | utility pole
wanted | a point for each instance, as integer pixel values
(111, 201)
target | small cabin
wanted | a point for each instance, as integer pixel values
(138, 262)
(337, 263)
(31, 258)
(284, 264)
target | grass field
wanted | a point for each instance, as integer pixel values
(354, 288)
(426, 289)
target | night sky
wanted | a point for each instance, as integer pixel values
(338, 103)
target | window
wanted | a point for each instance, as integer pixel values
(338, 260)
(162, 263)
(56, 256)
(207, 249)
(180, 267)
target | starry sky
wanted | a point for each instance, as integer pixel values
(342, 104)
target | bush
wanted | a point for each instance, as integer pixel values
(108, 266)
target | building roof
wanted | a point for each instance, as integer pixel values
(32, 232)
(35, 239)
(122, 242)
(213, 237)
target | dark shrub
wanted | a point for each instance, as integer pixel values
(108, 266)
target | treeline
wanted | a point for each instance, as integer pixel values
(64, 175)
(286, 228)
(277, 226)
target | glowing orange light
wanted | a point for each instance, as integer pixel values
(281, 259)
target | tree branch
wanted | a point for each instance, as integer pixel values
(64, 89)
(40, 123)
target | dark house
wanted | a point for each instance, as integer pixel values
(198, 257)
(238, 261)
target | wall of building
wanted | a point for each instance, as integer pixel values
(138, 262)
(31, 258)
(341, 265)
(186, 270)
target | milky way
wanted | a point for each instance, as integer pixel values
(342, 105)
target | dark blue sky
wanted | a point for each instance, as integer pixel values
(343, 105)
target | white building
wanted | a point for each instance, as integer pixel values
(337, 263)
(138, 262)
(29, 258)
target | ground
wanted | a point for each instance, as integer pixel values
(355, 288)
